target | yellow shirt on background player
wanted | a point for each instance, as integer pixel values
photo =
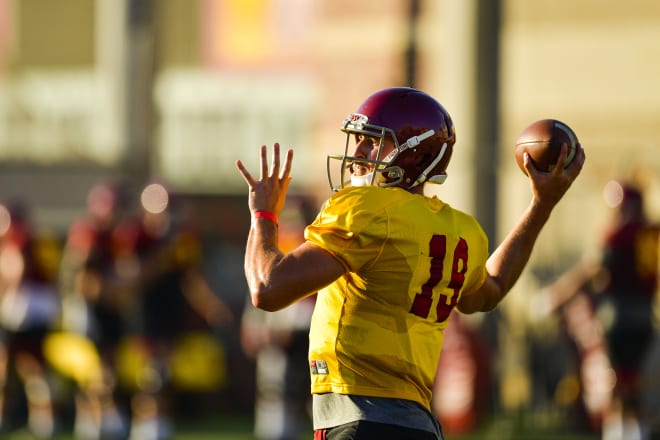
(378, 330)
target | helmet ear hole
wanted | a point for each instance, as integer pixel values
(425, 160)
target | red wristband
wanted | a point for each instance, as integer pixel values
(267, 215)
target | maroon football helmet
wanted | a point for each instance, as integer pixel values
(423, 135)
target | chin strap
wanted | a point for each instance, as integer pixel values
(416, 140)
(410, 143)
(440, 178)
(437, 179)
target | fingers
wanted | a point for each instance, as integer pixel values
(276, 170)
(578, 161)
(561, 168)
(245, 173)
(561, 160)
(275, 165)
(287, 166)
(527, 163)
(264, 162)
(573, 168)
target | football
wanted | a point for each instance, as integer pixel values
(542, 140)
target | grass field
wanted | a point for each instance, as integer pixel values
(239, 427)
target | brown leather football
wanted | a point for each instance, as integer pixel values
(542, 140)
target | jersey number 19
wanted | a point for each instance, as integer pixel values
(421, 306)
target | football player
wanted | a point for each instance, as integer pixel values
(389, 264)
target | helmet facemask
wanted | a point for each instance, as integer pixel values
(355, 125)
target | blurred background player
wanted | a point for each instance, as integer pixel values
(607, 305)
(93, 306)
(628, 283)
(170, 347)
(29, 309)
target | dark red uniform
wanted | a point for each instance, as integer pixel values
(630, 257)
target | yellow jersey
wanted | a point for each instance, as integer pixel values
(378, 330)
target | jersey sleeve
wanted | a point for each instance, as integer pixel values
(478, 275)
(349, 228)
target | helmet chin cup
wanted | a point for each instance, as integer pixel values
(437, 179)
(364, 180)
(375, 177)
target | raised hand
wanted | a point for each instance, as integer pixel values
(268, 192)
(550, 187)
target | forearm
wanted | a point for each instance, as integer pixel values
(277, 280)
(261, 255)
(510, 258)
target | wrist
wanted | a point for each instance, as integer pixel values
(541, 208)
(267, 215)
